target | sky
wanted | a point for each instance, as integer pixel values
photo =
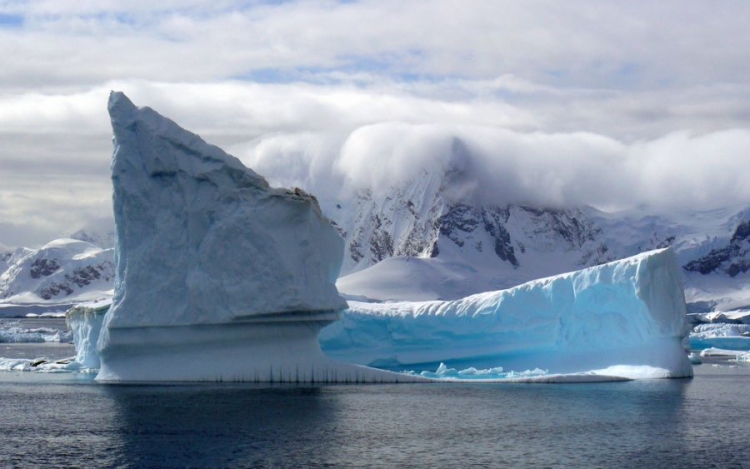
(607, 103)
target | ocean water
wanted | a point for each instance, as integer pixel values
(68, 420)
(65, 420)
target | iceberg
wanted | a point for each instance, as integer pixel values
(14, 334)
(218, 275)
(721, 336)
(622, 319)
(221, 277)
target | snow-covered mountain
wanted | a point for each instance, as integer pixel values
(431, 239)
(104, 239)
(732, 257)
(418, 242)
(53, 277)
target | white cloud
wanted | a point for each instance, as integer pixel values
(565, 169)
(576, 44)
(544, 93)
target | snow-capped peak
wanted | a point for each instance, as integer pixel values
(62, 271)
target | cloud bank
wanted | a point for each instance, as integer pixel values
(606, 103)
(679, 170)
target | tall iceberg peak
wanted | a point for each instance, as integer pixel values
(218, 275)
(199, 235)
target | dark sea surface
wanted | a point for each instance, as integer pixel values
(67, 420)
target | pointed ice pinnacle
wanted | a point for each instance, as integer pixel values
(200, 236)
(218, 275)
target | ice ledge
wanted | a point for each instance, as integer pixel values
(253, 352)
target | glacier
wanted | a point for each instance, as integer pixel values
(218, 276)
(622, 319)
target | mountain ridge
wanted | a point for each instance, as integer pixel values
(431, 234)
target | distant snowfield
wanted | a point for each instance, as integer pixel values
(50, 280)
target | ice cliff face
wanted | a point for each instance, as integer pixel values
(85, 322)
(218, 275)
(203, 239)
(628, 314)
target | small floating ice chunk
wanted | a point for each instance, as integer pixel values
(15, 364)
(20, 335)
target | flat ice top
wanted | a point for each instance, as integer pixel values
(628, 314)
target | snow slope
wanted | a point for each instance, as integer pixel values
(53, 277)
(628, 314)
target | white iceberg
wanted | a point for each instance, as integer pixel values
(626, 318)
(218, 275)
(21, 335)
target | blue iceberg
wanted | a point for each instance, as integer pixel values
(622, 319)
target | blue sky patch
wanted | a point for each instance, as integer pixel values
(10, 21)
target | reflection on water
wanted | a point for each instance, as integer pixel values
(660, 423)
(222, 426)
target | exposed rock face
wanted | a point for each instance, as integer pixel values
(419, 220)
(43, 267)
(404, 222)
(732, 259)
